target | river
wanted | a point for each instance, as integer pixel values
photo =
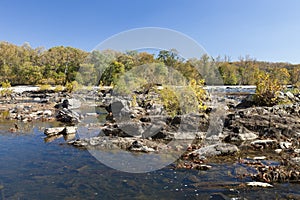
(33, 169)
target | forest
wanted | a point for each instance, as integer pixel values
(23, 65)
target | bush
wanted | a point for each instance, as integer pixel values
(45, 87)
(5, 88)
(170, 101)
(59, 88)
(72, 86)
(267, 89)
(134, 101)
(184, 99)
(200, 93)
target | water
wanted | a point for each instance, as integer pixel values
(33, 169)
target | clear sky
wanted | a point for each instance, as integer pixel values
(267, 30)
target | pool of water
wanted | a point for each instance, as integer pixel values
(30, 168)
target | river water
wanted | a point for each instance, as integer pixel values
(33, 169)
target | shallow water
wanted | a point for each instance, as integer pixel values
(33, 169)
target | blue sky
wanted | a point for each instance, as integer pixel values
(267, 30)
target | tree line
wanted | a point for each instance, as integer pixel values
(23, 65)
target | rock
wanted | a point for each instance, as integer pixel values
(259, 184)
(239, 134)
(263, 142)
(272, 122)
(137, 146)
(110, 117)
(185, 135)
(296, 159)
(192, 122)
(53, 131)
(278, 151)
(37, 99)
(125, 143)
(78, 143)
(74, 103)
(47, 112)
(285, 145)
(69, 104)
(246, 103)
(281, 95)
(132, 128)
(152, 129)
(124, 129)
(91, 114)
(120, 109)
(69, 130)
(290, 95)
(68, 116)
(203, 167)
(247, 136)
(60, 130)
(259, 158)
(219, 149)
(297, 150)
(110, 130)
(156, 109)
(70, 136)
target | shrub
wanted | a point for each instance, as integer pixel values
(134, 101)
(169, 100)
(200, 93)
(72, 86)
(45, 87)
(59, 88)
(267, 89)
(184, 99)
(5, 88)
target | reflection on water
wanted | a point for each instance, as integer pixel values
(33, 169)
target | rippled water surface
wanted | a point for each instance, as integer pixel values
(33, 169)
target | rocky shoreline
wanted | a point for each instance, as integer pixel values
(263, 139)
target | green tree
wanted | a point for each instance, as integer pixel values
(112, 73)
(228, 73)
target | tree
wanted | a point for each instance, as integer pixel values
(169, 58)
(282, 75)
(65, 60)
(87, 75)
(101, 60)
(295, 75)
(228, 73)
(112, 73)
